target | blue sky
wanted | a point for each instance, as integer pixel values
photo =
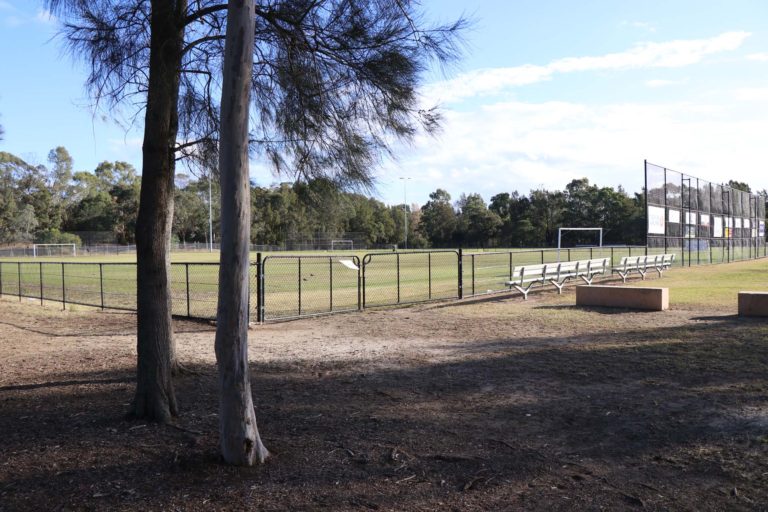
(549, 91)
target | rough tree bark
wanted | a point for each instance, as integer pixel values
(155, 399)
(240, 441)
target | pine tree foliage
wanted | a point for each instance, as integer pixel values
(334, 81)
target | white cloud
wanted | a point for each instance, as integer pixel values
(13, 21)
(760, 57)
(752, 94)
(641, 25)
(127, 149)
(520, 146)
(45, 17)
(663, 83)
(16, 17)
(671, 54)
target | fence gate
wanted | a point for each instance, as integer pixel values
(300, 286)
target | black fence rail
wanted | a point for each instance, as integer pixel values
(295, 286)
(307, 285)
(391, 278)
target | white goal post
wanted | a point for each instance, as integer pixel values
(560, 236)
(45, 250)
(343, 245)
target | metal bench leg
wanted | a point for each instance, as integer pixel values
(522, 290)
(525, 291)
(559, 286)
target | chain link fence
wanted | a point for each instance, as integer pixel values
(295, 286)
(702, 222)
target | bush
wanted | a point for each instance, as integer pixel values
(54, 236)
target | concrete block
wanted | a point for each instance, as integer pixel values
(654, 299)
(753, 303)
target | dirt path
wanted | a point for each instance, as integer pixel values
(487, 405)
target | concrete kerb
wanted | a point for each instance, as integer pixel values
(753, 304)
(652, 299)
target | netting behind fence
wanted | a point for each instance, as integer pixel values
(702, 222)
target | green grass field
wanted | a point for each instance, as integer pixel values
(712, 286)
(303, 283)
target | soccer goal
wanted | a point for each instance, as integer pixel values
(54, 250)
(560, 236)
(342, 245)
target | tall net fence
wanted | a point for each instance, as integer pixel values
(702, 222)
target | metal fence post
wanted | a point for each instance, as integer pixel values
(186, 277)
(101, 284)
(1, 278)
(259, 303)
(461, 273)
(63, 289)
(330, 282)
(19, 276)
(510, 265)
(366, 259)
(299, 258)
(398, 277)
(41, 282)
(473, 274)
(359, 282)
(542, 256)
(429, 268)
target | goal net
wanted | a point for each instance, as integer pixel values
(342, 245)
(560, 232)
(41, 250)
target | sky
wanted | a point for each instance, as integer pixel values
(548, 91)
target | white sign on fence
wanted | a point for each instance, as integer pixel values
(718, 228)
(656, 220)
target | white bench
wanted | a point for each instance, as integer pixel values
(642, 264)
(527, 276)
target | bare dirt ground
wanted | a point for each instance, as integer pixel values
(487, 405)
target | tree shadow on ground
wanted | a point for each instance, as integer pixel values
(651, 418)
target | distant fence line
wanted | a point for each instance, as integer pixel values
(296, 286)
(117, 249)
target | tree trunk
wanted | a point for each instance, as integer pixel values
(240, 441)
(155, 399)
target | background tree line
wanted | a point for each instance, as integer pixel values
(50, 203)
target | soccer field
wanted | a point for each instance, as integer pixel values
(294, 284)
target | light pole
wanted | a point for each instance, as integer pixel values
(405, 210)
